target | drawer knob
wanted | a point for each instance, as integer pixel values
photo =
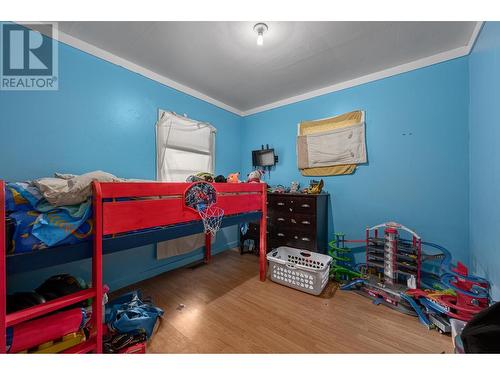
(306, 239)
(280, 219)
(293, 221)
(305, 222)
(291, 209)
(281, 235)
(281, 204)
(305, 205)
(296, 237)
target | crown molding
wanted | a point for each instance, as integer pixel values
(414, 65)
(117, 60)
(474, 36)
(417, 64)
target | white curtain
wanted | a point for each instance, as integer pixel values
(183, 147)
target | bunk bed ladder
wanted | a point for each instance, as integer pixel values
(94, 343)
(97, 308)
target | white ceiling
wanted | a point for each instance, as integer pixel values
(221, 60)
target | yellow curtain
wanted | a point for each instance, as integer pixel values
(318, 126)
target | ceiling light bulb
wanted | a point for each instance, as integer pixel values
(260, 28)
(260, 39)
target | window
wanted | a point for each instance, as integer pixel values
(183, 147)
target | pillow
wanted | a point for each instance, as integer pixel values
(70, 191)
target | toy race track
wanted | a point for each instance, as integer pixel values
(466, 295)
(380, 294)
(393, 276)
(341, 269)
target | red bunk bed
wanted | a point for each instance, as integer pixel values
(127, 215)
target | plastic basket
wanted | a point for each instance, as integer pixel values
(299, 269)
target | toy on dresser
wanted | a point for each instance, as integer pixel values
(255, 176)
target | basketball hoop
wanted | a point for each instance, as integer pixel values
(201, 197)
(212, 219)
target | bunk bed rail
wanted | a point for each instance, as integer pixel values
(152, 189)
(164, 204)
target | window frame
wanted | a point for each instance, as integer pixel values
(213, 132)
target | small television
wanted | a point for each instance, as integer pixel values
(264, 158)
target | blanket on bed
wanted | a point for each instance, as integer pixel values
(40, 224)
(69, 189)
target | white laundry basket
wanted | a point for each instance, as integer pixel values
(299, 269)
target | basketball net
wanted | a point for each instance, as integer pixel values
(211, 216)
(201, 197)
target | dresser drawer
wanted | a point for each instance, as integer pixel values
(293, 222)
(290, 205)
(305, 205)
(279, 203)
(303, 220)
(282, 238)
(303, 241)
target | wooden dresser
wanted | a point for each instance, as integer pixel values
(295, 220)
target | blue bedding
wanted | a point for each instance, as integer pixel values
(38, 224)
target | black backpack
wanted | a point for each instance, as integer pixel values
(23, 300)
(59, 286)
(482, 333)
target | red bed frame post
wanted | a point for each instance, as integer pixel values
(97, 308)
(208, 247)
(3, 277)
(419, 261)
(263, 235)
(367, 239)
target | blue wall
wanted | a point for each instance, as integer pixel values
(102, 117)
(417, 139)
(484, 65)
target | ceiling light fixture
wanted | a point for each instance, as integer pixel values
(260, 28)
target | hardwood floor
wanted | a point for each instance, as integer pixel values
(228, 310)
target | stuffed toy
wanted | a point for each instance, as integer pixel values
(205, 176)
(255, 176)
(315, 187)
(220, 178)
(294, 187)
(233, 178)
(202, 176)
(193, 178)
